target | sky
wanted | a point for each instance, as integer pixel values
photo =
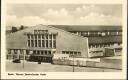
(63, 14)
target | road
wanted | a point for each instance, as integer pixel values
(47, 67)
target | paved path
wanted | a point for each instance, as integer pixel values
(47, 67)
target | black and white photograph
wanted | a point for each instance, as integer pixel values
(63, 37)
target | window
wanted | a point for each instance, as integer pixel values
(32, 43)
(54, 43)
(35, 36)
(75, 53)
(79, 53)
(99, 33)
(67, 52)
(45, 52)
(34, 52)
(38, 52)
(50, 36)
(107, 33)
(84, 33)
(9, 51)
(63, 52)
(118, 49)
(43, 43)
(28, 43)
(46, 43)
(50, 43)
(42, 36)
(120, 33)
(31, 36)
(28, 36)
(71, 53)
(26, 51)
(15, 51)
(39, 43)
(46, 36)
(54, 36)
(49, 52)
(39, 36)
(42, 52)
(113, 33)
(35, 43)
(21, 51)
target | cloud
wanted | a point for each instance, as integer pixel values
(61, 16)
(34, 20)
(12, 20)
(83, 15)
(85, 10)
(100, 19)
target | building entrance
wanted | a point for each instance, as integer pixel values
(41, 56)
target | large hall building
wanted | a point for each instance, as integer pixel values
(41, 42)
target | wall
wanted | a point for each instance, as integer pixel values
(64, 41)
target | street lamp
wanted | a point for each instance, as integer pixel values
(23, 58)
(73, 64)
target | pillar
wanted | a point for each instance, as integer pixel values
(41, 40)
(117, 33)
(30, 41)
(37, 40)
(33, 40)
(88, 33)
(52, 40)
(77, 33)
(108, 33)
(44, 41)
(48, 41)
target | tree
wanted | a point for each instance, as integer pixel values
(21, 27)
(14, 29)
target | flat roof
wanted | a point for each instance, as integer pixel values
(114, 57)
(88, 27)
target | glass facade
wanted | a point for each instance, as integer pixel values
(41, 40)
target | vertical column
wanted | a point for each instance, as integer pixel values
(77, 33)
(52, 40)
(30, 40)
(44, 41)
(34, 39)
(108, 33)
(88, 33)
(98, 33)
(41, 39)
(117, 33)
(37, 40)
(18, 54)
(48, 41)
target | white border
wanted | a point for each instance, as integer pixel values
(66, 75)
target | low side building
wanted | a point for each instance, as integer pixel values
(41, 42)
(99, 36)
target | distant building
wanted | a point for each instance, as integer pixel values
(98, 36)
(41, 42)
(12, 29)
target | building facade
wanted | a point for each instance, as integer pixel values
(41, 42)
(98, 36)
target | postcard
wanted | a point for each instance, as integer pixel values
(63, 39)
